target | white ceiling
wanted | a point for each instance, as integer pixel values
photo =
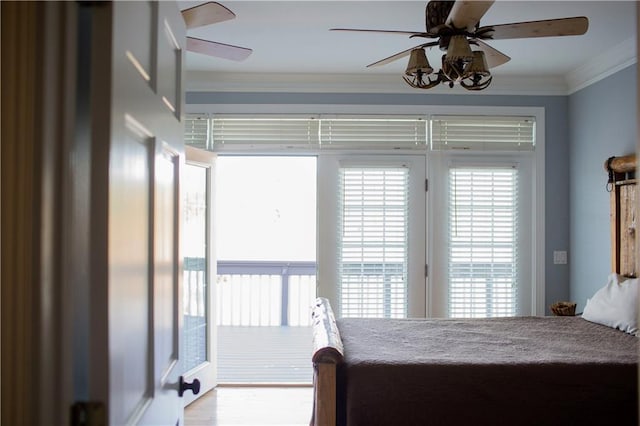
(292, 38)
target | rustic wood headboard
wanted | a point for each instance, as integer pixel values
(624, 198)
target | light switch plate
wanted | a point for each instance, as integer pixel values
(560, 257)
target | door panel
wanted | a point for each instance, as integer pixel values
(165, 280)
(169, 68)
(142, 17)
(146, 155)
(130, 275)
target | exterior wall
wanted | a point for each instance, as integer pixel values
(602, 123)
(556, 157)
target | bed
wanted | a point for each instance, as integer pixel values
(556, 370)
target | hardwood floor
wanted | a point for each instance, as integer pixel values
(226, 406)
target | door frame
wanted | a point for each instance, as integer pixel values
(38, 105)
(207, 372)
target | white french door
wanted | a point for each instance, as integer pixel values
(372, 235)
(199, 272)
(484, 234)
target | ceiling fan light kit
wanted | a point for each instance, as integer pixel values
(479, 64)
(472, 75)
(418, 63)
(456, 26)
(458, 49)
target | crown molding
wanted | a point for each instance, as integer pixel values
(601, 66)
(207, 81)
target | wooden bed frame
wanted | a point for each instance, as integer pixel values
(623, 189)
(328, 350)
(327, 354)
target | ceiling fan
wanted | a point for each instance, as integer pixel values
(456, 27)
(207, 14)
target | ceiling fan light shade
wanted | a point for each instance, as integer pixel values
(459, 49)
(479, 64)
(418, 63)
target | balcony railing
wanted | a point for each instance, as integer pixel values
(262, 307)
(265, 293)
(253, 293)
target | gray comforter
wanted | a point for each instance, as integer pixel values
(501, 371)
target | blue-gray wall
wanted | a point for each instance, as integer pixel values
(602, 123)
(557, 151)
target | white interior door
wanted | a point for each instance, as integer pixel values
(146, 157)
(199, 272)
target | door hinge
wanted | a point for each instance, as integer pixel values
(426, 185)
(426, 270)
(88, 413)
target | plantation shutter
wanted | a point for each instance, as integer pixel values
(373, 229)
(483, 237)
(482, 133)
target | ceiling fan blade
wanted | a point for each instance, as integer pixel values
(467, 14)
(400, 55)
(493, 56)
(218, 50)
(547, 28)
(206, 14)
(409, 33)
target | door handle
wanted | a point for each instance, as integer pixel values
(194, 386)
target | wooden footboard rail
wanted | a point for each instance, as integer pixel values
(327, 354)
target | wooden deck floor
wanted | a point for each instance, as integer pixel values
(264, 355)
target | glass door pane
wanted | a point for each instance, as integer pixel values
(266, 276)
(373, 224)
(196, 281)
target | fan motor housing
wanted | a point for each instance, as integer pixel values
(436, 14)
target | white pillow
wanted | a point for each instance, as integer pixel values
(615, 305)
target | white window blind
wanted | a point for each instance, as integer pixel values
(304, 131)
(373, 132)
(373, 229)
(482, 133)
(483, 237)
(263, 131)
(196, 131)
